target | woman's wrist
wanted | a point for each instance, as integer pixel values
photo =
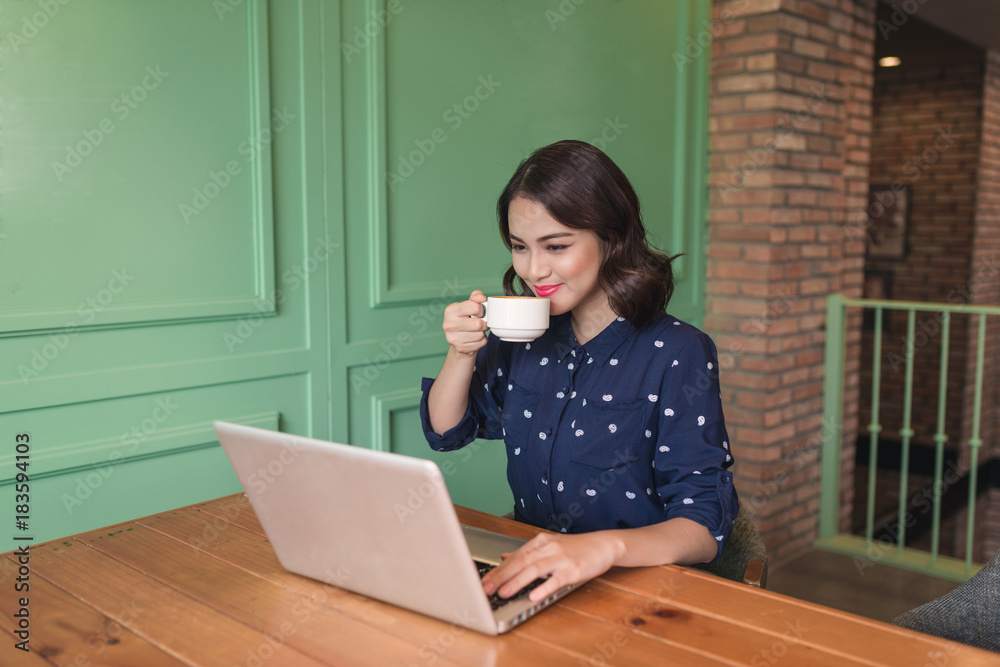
(617, 544)
(467, 359)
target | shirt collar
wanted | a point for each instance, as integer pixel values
(600, 347)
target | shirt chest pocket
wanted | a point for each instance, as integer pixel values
(609, 434)
(519, 407)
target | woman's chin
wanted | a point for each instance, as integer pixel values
(556, 309)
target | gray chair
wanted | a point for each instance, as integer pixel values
(970, 614)
(744, 558)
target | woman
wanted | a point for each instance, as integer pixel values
(612, 419)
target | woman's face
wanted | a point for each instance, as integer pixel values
(555, 261)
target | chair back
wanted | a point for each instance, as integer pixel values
(744, 558)
(969, 614)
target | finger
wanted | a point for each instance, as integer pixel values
(472, 309)
(464, 330)
(489, 583)
(514, 586)
(463, 309)
(552, 585)
(525, 576)
(459, 323)
(513, 563)
(493, 581)
(499, 575)
(477, 296)
(502, 573)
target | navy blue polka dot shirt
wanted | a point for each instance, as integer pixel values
(625, 431)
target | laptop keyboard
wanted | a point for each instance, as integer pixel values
(495, 600)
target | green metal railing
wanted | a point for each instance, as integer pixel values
(866, 549)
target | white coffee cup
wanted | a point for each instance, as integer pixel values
(517, 319)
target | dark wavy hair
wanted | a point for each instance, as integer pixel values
(583, 188)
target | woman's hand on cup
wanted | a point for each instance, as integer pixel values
(464, 326)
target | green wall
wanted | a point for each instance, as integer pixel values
(256, 211)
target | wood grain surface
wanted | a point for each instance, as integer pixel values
(201, 586)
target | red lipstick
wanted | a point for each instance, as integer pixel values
(546, 290)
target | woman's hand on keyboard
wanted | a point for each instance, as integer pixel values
(565, 559)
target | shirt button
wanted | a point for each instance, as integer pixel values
(725, 478)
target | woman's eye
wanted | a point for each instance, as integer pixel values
(557, 248)
(516, 247)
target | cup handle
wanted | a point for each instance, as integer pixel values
(484, 315)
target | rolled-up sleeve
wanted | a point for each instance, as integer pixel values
(692, 458)
(456, 437)
(482, 415)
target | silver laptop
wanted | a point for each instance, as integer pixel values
(375, 523)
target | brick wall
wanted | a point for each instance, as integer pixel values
(986, 283)
(926, 136)
(991, 525)
(953, 533)
(938, 131)
(790, 121)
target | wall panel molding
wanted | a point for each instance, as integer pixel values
(384, 294)
(101, 385)
(382, 407)
(101, 454)
(104, 313)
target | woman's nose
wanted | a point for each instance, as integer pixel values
(538, 268)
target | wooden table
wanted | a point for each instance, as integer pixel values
(201, 586)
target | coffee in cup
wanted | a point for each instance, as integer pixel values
(517, 319)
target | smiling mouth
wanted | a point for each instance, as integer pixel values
(546, 290)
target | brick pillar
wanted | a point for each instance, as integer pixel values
(790, 125)
(985, 280)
